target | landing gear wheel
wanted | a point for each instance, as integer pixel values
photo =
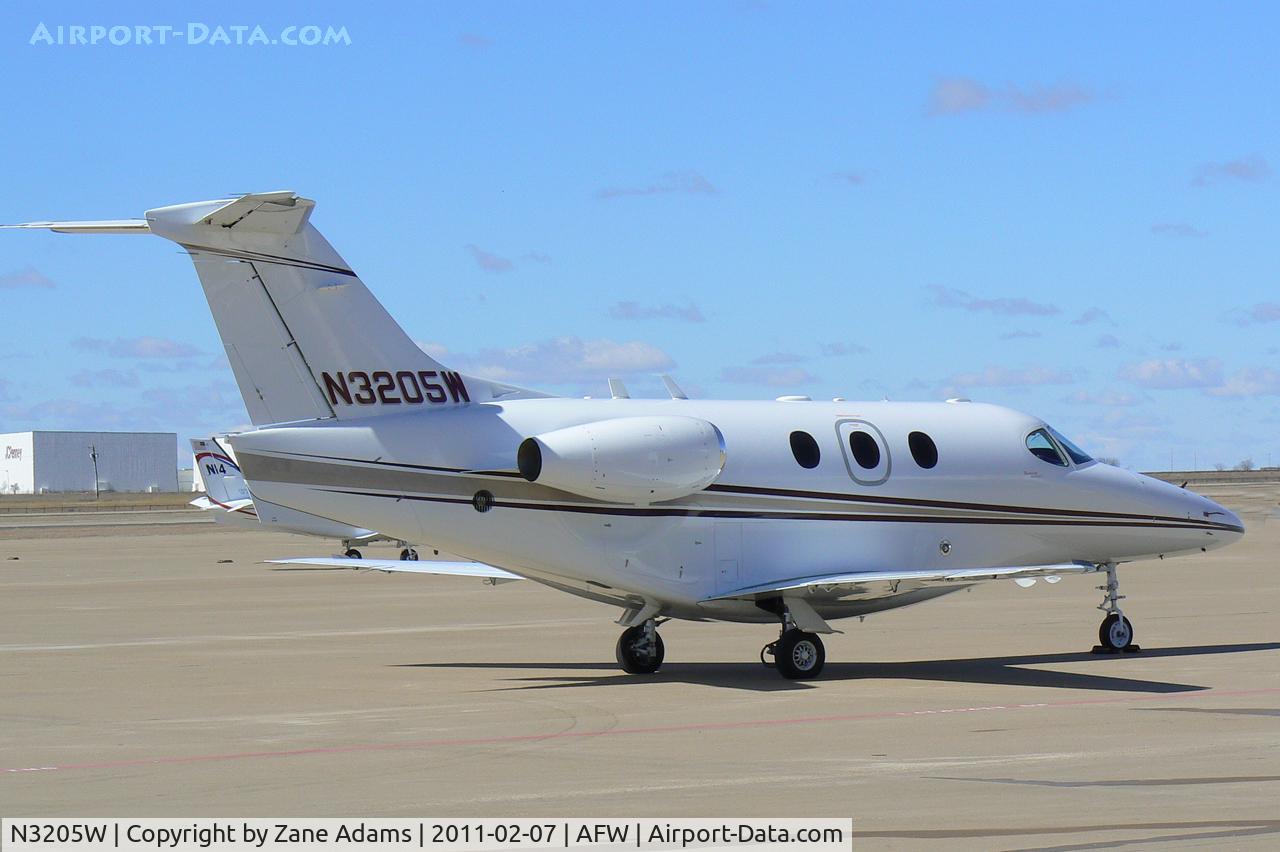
(1115, 633)
(636, 654)
(768, 651)
(352, 553)
(799, 655)
(408, 555)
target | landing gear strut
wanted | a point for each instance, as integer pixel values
(1115, 634)
(639, 649)
(797, 655)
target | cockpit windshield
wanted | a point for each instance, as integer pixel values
(1078, 455)
(1043, 448)
(1050, 446)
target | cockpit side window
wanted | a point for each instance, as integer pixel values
(1078, 455)
(1043, 448)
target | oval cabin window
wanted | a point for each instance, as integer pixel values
(805, 449)
(865, 450)
(923, 449)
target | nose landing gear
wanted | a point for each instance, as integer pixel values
(1115, 634)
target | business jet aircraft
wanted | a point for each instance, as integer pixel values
(227, 496)
(793, 512)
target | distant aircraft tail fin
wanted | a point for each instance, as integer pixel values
(223, 483)
(305, 337)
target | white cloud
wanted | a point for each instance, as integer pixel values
(1004, 377)
(1174, 373)
(1248, 169)
(956, 95)
(1262, 312)
(136, 347)
(950, 297)
(1107, 341)
(1092, 315)
(437, 351)
(686, 183)
(1251, 381)
(688, 312)
(1108, 399)
(779, 358)
(24, 278)
(849, 178)
(564, 360)
(488, 261)
(774, 377)
(1178, 229)
(154, 408)
(840, 349)
(105, 378)
(953, 95)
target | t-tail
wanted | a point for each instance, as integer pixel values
(305, 337)
(224, 484)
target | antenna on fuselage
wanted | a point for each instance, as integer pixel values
(673, 389)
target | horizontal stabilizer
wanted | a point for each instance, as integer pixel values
(102, 226)
(209, 504)
(834, 583)
(263, 213)
(304, 337)
(452, 569)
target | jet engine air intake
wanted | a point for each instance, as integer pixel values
(635, 460)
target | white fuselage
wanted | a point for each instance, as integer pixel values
(987, 502)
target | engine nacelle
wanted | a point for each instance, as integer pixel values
(636, 460)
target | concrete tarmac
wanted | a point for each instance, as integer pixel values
(142, 676)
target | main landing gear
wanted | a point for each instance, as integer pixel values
(408, 555)
(349, 551)
(1115, 634)
(797, 654)
(639, 649)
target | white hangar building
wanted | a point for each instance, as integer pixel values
(43, 462)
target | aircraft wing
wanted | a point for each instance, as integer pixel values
(454, 569)
(835, 585)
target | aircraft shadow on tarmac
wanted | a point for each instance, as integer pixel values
(1009, 671)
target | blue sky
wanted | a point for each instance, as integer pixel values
(1069, 209)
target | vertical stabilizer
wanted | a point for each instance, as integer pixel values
(304, 336)
(223, 482)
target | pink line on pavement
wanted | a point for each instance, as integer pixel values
(664, 729)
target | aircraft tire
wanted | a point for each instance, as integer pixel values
(631, 656)
(352, 553)
(408, 555)
(1115, 632)
(799, 655)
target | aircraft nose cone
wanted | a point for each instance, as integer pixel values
(1228, 528)
(1223, 515)
(1222, 526)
